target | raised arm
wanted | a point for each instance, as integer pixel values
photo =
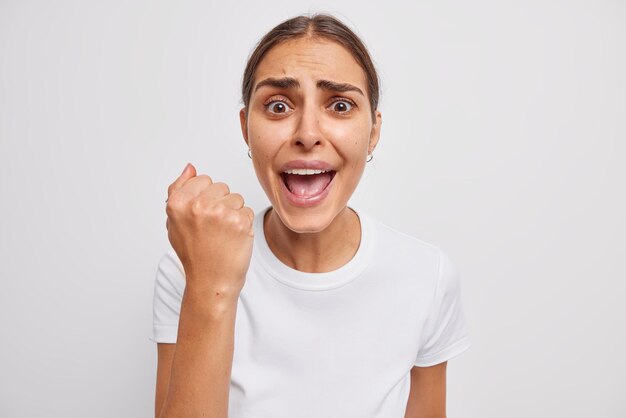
(212, 233)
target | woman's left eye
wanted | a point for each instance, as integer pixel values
(341, 106)
(278, 106)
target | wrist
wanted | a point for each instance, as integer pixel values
(211, 297)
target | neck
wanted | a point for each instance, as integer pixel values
(317, 252)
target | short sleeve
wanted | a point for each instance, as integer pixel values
(446, 329)
(169, 287)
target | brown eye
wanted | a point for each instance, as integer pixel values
(342, 106)
(278, 106)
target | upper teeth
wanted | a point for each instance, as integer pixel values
(305, 171)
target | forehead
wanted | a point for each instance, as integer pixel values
(315, 59)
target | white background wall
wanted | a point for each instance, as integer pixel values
(503, 142)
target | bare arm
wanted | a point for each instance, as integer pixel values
(164, 367)
(201, 360)
(212, 233)
(427, 398)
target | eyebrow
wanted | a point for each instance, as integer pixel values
(292, 83)
(281, 83)
(338, 87)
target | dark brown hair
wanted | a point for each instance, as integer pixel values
(315, 26)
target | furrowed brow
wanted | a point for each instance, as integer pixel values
(282, 83)
(338, 87)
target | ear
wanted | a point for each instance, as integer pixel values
(244, 125)
(375, 133)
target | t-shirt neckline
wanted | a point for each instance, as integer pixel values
(314, 281)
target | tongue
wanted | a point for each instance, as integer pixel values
(309, 185)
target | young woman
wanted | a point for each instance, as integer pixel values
(310, 307)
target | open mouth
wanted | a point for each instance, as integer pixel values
(307, 183)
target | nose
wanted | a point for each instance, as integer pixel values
(308, 130)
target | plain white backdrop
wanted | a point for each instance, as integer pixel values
(503, 142)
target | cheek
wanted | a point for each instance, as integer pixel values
(351, 139)
(264, 131)
(266, 139)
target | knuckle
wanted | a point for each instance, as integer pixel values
(222, 186)
(170, 208)
(238, 222)
(244, 224)
(217, 211)
(237, 196)
(241, 228)
(205, 178)
(197, 207)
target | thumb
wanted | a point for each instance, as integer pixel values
(188, 172)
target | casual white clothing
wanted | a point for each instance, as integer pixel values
(339, 344)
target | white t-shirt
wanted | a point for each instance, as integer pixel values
(339, 344)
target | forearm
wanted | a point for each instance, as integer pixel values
(201, 367)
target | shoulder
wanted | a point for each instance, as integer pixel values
(430, 259)
(391, 237)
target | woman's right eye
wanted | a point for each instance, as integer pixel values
(278, 106)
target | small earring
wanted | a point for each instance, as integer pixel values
(249, 153)
(370, 159)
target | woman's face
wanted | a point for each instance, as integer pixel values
(309, 109)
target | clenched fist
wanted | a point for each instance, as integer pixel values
(211, 231)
